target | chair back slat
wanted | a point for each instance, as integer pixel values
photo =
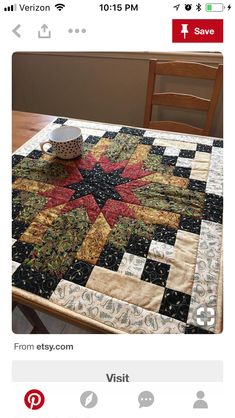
(186, 69)
(186, 101)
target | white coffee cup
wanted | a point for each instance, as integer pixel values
(66, 142)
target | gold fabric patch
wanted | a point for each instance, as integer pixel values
(48, 216)
(166, 179)
(140, 154)
(154, 216)
(36, 230)
(183, 264)
(94, 241)
(126, 288)
(34, 233)
(100, 148)
(31, 185)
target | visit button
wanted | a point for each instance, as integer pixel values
(197, 30)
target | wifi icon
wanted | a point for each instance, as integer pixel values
(59, 6)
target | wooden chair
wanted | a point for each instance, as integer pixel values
(180, 100)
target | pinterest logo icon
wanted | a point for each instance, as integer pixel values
(34, 399)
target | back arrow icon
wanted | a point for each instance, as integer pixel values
(15, 31)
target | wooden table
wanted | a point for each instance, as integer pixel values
(25, 125)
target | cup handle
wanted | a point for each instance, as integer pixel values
(42, 147)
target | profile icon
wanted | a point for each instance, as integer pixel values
(200, 403)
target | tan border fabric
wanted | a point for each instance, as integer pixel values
(182, 269)
(126, 288)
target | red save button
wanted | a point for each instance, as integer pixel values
(197, 30)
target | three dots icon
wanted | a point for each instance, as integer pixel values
(76, 30)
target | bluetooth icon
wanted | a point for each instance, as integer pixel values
(198, 7)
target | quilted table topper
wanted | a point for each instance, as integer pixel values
(126, 238)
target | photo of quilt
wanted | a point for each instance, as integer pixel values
(129, 235)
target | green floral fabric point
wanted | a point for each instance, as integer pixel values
(125, 227)
(87, 147)
(122, 148)
(60, 243)
(153, 163)
(31, 205)
(171, 198)
(40, 170)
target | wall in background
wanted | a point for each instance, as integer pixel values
(106, 87)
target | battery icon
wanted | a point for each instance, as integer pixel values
(215, 7)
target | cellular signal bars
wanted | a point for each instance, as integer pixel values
(11, 8)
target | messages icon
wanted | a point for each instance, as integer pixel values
(145, 399)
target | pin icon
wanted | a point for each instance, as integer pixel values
(184, 29)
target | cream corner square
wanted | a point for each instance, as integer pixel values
(160, 251)
(132, 265)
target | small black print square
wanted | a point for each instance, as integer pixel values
(138, 246)
(79, 273)
(15, 193)
(197, 185)
(16, 159)
(18, 228)
(184, 153)
(190, 224)
(166, 235)
(191, 329)
(110, 258)
(157, 150)
(182, 172)
(92, 139)
(146, 140)
(175, 305)
(21, 251)
(60, 121)
(41, 284)
(218, 143)
(132, 131)
(109, 135)
(213, 208)
(35, 154)
(155, 272)
(169, 160)
(204, 148)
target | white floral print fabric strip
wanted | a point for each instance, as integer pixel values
(202, 311)
(215, 177)
(113, 312)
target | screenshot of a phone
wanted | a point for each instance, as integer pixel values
(115, 116)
